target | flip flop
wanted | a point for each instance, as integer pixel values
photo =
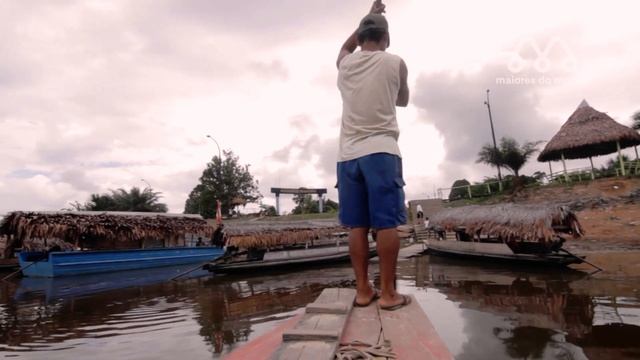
(373, 298)
(406, 300)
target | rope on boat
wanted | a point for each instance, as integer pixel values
(581, 259)
(358, 350)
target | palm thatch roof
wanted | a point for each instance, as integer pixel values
(94, 227)
(270, 234)
(587, 133)
(510, 221)
(264, 238)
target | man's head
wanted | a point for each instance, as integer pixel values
(373, 32)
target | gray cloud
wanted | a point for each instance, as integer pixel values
(273, 22)
(325, 148)
(454, 103)
(78, 179)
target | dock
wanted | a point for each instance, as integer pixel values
(331, 325)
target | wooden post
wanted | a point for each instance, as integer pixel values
(564, 166)
(637, 159)
(469, 191)
(593, 174)
(550, 170)
(488, 189)
(620, 157)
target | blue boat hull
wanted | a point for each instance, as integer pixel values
(71, 263)
(66, 287)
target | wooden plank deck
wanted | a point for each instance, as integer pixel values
(332, 320)
(409, 330)
(317, 334)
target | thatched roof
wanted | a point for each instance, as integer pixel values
(588, 132)
(275, 233)
(280, 237)
(510, 221)
(93, 226)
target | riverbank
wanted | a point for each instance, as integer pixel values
(609, 211)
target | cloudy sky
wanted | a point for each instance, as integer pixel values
(97, 95)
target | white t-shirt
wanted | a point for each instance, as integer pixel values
(369, 82)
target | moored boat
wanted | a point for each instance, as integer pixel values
(254, 247)
(68, 263)
(282, 258)
(52, 244)
(527, 234)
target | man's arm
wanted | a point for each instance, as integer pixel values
(351, 44)
(348, 47)
(403, 92)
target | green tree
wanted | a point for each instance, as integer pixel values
(459, 190)
(515, 156)
(305, 204)
(614, 163)
(490, 156)
(227, 181)
(136, 200)
(508, 155)
(268, 210)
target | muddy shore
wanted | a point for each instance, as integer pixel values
(609, 211)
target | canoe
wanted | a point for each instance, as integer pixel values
(497, 252)
(69, 263)
(331, 321)
(277, 259)
(531, 234)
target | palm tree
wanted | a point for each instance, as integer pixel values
(514, 156)
(490, 156)
(145, 200)
(509, 155)
(138, 200)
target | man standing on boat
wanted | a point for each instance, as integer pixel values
(372, 83)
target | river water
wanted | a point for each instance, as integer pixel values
(480, 311)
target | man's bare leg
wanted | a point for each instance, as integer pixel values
(359, 252)
(388, 246)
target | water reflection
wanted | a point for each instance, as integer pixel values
(51, 318)
(481, 312)
(531, 313)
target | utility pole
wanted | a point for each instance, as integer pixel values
(221, 164)
(214, 140)
(493, 136)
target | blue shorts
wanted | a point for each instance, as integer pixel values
(370, 192)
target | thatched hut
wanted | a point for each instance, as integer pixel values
(589, 133)
(100, 230)
(510, 222)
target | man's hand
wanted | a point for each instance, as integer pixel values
(351, 44)
(378, 7)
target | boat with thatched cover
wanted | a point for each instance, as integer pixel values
(252, 247)
(532, 234)
(52, 244)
